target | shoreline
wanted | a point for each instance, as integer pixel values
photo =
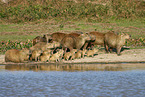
(127, 56)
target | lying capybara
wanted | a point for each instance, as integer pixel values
(112, 40)
(44, 46)
(72, 42)
(92, 52)
(35, 54)
(45, 55)
(39, 39)
(17, 56)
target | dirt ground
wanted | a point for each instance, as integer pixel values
(130, 55)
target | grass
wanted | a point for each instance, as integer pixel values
(24, 31)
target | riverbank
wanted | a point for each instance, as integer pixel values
(127, 56)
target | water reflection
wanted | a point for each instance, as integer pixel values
(75, 67)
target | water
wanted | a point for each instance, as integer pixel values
(73, 81)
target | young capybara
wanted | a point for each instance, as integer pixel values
(57, 56)
(92, 52)
(35, 54)
(72, 42)
(84, 52)
(67, 55)
(78, 54)
(39, 39)
(45, 55)
(17, 56)
(112, 40)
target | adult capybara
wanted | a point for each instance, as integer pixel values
(57, 36)
(44, 46)
(99, 38)
(17, 56)
(39, 39)
(72, 42)
(113, 40)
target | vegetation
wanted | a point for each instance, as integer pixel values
(23, 20)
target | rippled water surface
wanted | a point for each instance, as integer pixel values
(76, 83)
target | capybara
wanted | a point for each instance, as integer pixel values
(39, 39)
(78, 54)
(17, 56)
(72, 42)
(57, 56)
(112, 40)
(92, 52)
(57, 36)
(35, 54)
(45, 55)
(67, 55)
(84, 52)
(44, 46)
(99, 38)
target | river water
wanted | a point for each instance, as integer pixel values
(75, 80)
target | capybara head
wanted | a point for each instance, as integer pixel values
(85, 36)
(92, 37)
(25, 52)
(56, 44)
(125, 36)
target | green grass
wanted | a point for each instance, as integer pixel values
(22, 32)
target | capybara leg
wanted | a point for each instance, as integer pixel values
(85, 45)
(118, 51)
(106, 48)
(35, 58)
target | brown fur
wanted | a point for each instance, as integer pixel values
(43, 46)
(72, 42)
(57, 56)
(78, 54)
(17, 56)
(35, 54)
(39, 39)
(112, 40)
(91, 52)
(84, 52)
(67, 55)
(45, 55)
(99, 38)
(57, 36)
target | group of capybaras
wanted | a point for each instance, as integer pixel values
(67, 46)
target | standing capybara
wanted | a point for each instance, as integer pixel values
(72, 42)
(17, 56)
(35, 54)
(112, 40)
(45, 55)
(57, 56)
(84, 52)
(92, 52)
(67, 55)
(99, 38)
(57, 36)
(39, 39)
(78, 54)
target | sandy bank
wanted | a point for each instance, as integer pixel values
(132, 55)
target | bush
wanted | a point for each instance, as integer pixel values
(30, 10)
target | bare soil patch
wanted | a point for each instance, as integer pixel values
(131, 55)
